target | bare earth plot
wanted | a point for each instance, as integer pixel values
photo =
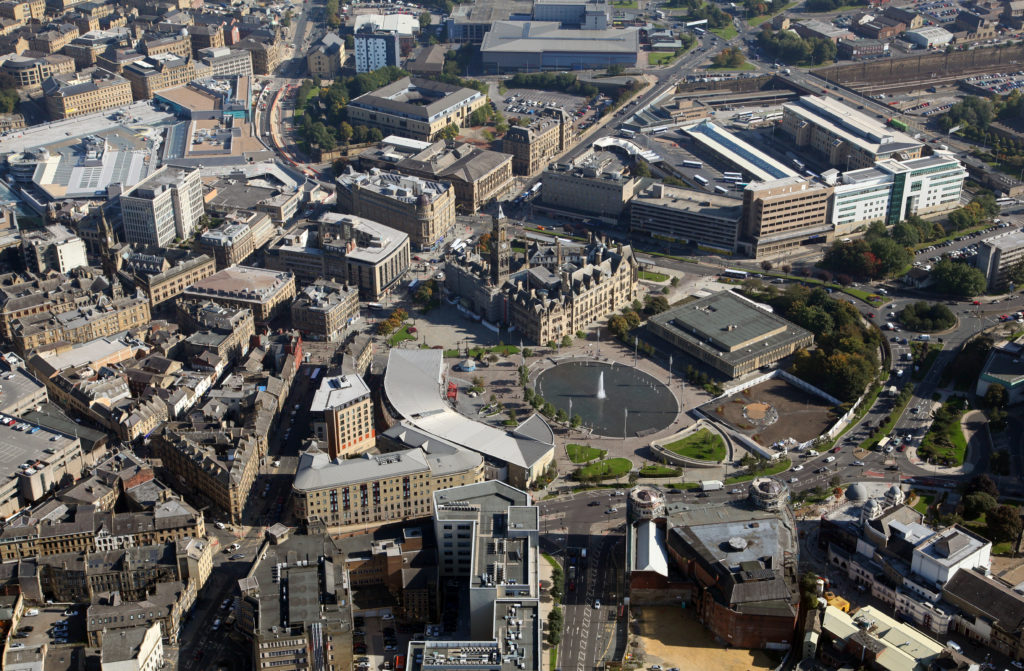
(775, 410)
(672, 637)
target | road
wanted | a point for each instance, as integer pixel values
(570, 525)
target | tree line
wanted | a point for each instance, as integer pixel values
(788, 47)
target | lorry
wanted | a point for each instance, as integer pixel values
(711, 485)
(786, 71)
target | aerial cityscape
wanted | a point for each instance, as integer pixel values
(511, 335)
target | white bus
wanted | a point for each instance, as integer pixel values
(732, 176)
(700, 180)
(693, 164)
(721, 189)
(627, 133)
(375, 306)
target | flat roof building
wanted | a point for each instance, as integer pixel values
(73, 94)
(753, 162)
(32, 459)
(324, 310)
(477, 175)
(928, 37)
(999, 255)
(332, 490)
(164, 206)
(342, 415)
(545, 45)
(891, 191)
(685, 215)
(730, 333)
(265, 292)
(595, 183)
(470, 22)
(1004, 367)
(783, 215)
(423, 209)
(416, 108)
(848, 139)
(296, 603)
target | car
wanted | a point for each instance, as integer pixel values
(871, 315)
(1017, 665)
(594, 503)
(27, 627)
(69, 612)
(387, 616)
(390, 647)
(31, 612)
(359, 649)
(597, 604)
(611, 510)
(17, 646)
(821, 470)
(858, 463)
(829, 459)
(735, 491)
(798, 467)
(219, 525)
(703, 495)
(656, 667)
(238, 555)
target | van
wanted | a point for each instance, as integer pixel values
(952, 645)
(829, 460)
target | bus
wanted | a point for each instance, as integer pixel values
(883, 443)
(744, 116)
(773, 116)
(455, 244)
(898, 125)
(627, 133)
(740, 185)
(375, 306)
(735, 274)
(732, 176)
(413, 284)
(698, 31)
(693, 164)
(800, 165)
(721, 189)
(700, 179)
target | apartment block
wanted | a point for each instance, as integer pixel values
(327, 56)
(596, 183)
(376, 50)
(74, 94)
(243, 232)
(423, 209)
(54, 248)
(164, 206)
(533, 145)
(781, 215)
(53, 40)
(175, 44)
(999, 256)
(324, 310)
(342, 416)
(357, 494)
(162, 280)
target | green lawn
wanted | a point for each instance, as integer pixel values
(866, 296)
(660, 57)
(400, 335)
(624, 4)
(945, 440)
(581, 454)
(703, 445)
(952, 236)
(604, 469)
(882, 431)
(727, 33)
(745, 66)
(758, 20)
(659, 471)
(924, 501)
(451, 354)
(929, 359)
(774, 469)
(553, 657)
(653, 277)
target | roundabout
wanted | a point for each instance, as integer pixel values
(611, 399)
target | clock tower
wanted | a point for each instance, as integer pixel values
(501, 249)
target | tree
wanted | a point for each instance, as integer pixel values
(615, 70)
(449, 132)
(555, 622)
(527, 352)
(922, 316)
(552, 344)
(958, 279)
(766, 265)
(561, 415)
(566, 340)
(982, 483)
(576, 421)
(655, 304)
(345, 131)
(978, 504)
(995, 396)
(641, 169)
(809, 588)
(1003, 524)
(730, 57)
(425, 20)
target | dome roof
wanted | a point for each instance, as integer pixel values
(895, 490)
(856, 492)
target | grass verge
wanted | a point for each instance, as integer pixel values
(659, 471)
(745, 67)
(581, 454)
(774, 469)
(660, 57)
(553, 650)
(605, 469)
(924, 502)
(945, 441)
(400, 335)
(652, 277)
(703, 445)
(727, 33)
